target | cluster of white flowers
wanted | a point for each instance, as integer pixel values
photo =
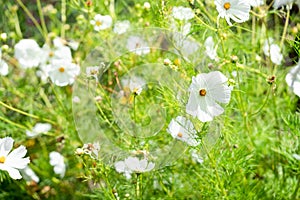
(54, 62)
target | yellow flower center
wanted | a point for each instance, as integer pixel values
(202, 92)
(51, 54)
(98, 23)
(227, 5)
(179, 134)
(61, 69)
(2, 159)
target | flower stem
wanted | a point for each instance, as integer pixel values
(138, 186)
(285, 28)
(63, 17)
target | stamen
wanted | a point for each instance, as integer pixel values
(179, 134)
(202, 92)
(2, 159)
(98, 23)
(61, 69)
(227, 5)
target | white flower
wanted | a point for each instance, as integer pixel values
(273, 51)
(182, 13)
(293, 79)
(196, 157)
(3, 66)
(279, 3)
(57, 161)
(63, 72)
(28, 53)
(133, 164)
(210, 51)
(29, 175)
(38, 129)
(183, 129)
(296, 156)
(12, 162)
(205, 90)
(101, 22)
(137, 45)
(121, 26)
(147, 5)
(91, 149)
(256, 3)
(93, 72)
(237, 10)
(135, 84)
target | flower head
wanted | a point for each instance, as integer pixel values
(182, 13)
(210, 51)
(137, 45)
(293, 79)
(237, 10)
(101, 22)
(29, 175)
(133, 165)
(38, 129)
(57, 161)
(28, 53)
(121, 26)
(134, 84)
(12, 161)
(279, 3)
(205, 90)
(273, 51)
(183, 129)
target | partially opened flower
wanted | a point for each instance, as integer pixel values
(29, 175)
(210, 49)
(206, 90)
(101, 22)
(273, 51)
(13, 161)
(63, 72)
(237, 10)
(293, 79)
(121, 26)
(182, 13)
(183, 129)
(57, 161)
(137, 45)
(28, 53)
(38, 129)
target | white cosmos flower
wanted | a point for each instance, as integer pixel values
(3, 66)
(134, 164)
(121, 167)
(137, 45)
(13, 161)
(205, 90)
(273, 51)
(28, 53)
(182, 13)
(293, 79)
(256, 3)
(30, 175)
(279, 3)
(38, 129)
(210, 51)
(135, 84)
(101, 22)
(63, 72)
(183, 129)
(237, 10)
(121, 26)
(57, 161)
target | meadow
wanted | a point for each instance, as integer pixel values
(157, 99)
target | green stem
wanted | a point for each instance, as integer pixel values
(13, 123)
(285, 28)
(45, 31)
(138, 186)
(63, 17)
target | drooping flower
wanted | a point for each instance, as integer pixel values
(121, 26)
(57, 161)
(237, 10)
(29, 175)
(63, 72)
(293, 79)
(38, 129)
(273, 51)
(101, 22)
(183, 129)
(206, 90)
(3, 66)
(28, 53)
(210, 50)
(13, 161)
(137, 45)
(182, 13)
(256, 3)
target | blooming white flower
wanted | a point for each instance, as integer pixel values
(147, 5)
(28, 53)
(38, 129)
(134, 164)
(205, 90)
(196, 157)
(183, 129)
(237, 10)
(137, 45)
(3, 66)
(296, 156)
(29, 175)
(279, 3)
(256, 3)
(121, 26)
(273, 51)
(293, 79)
(135, 84)
(182, 13)
(12, 161)
(101, 22)
(57, 161)
(63, 72)
(210, 51)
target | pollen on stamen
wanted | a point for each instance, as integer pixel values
(2, 159)
(98, 23)
(227, 5)
(179, 134)
(202, 92)
(61, 69)
(51, 54)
